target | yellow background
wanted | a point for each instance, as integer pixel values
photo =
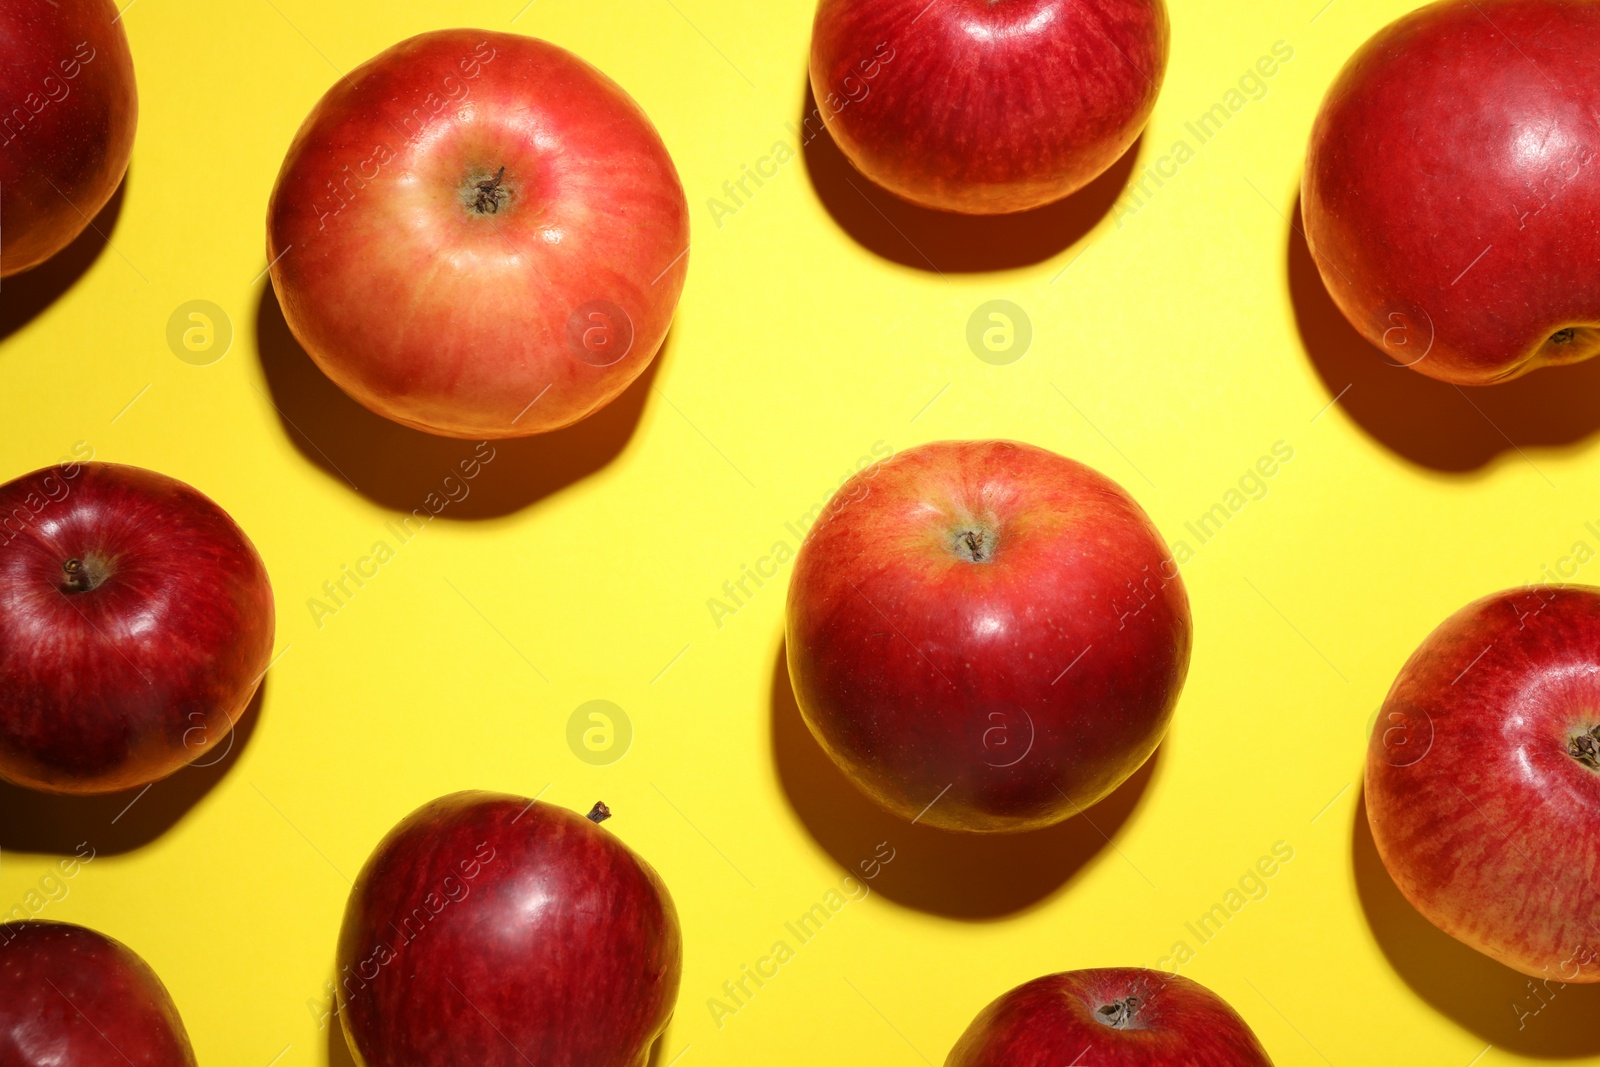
(1183, 342)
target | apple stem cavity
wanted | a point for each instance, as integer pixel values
(1119, 1013)
(974, 544)
(1585, 748)
(599, 813)
(1563, 337)
(80, 576)
(490, 194)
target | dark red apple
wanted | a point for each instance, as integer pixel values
(987, 106)
(1452, 188)
(136, 621)
(1124, 1016)
(496, 931)
(66, 79)
(985, 635)
(1483, 779)
(70, 997)
(479, 235)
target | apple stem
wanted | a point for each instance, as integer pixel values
(599, 813)
(975, 545)
(490, 195)
(1585, 748)
(78, 577)
(1119, 1013)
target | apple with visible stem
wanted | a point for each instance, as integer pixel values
(987, 106)
(1451, 194)
(71, 996)
(985, 635)
(1483, 779)
(497, 931)
(136, 622)
(478, 235)
(1126, 1016)
(66, 76)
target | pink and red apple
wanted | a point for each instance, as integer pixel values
(136, 621)
(1483, 779)
(1452, 188)
(479, 235)
(985, 635)
(71, 997)
(986, 107)
(1124, 1016)
(66, 77)
(498, 931)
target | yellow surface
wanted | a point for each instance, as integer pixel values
(1167, 352)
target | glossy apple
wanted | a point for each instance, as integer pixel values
(986, 107)
(1483, 779)
(1452, 188)
(1124, 1016)
(136, 621)
(70, 996)
(985, 635)
(495, 931)
(479, 235)
(66, 77)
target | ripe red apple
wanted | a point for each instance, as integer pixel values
(1452, 188)
(1483, 779)
(70, 996)
(66, 77)
(136, 622)
(498, 931)
(479, 235)
(1125, 1015)
(987, 106)
(985, 635)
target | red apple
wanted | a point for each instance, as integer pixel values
(1483, 779)
(1124, 1016)
(1452, 188)
(70, 996)
(136, 622)
(66, 77)
(986, 636)
(479, 235)
(496, 931)
(987, 106)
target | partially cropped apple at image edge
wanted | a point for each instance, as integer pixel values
(1451, 194)
(1125, 1016)
(136, 622)
(1483, 779)
(986, 636)
(985, 107)
(71, 996)
(498, 931)
(66, 76)
(479, 235)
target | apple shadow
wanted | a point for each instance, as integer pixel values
(1475, 992)
(975, 877)
(1448, 428)
(118, 822)
(24, 296)
(397, 467)
(946, 242)
(339, 1054)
